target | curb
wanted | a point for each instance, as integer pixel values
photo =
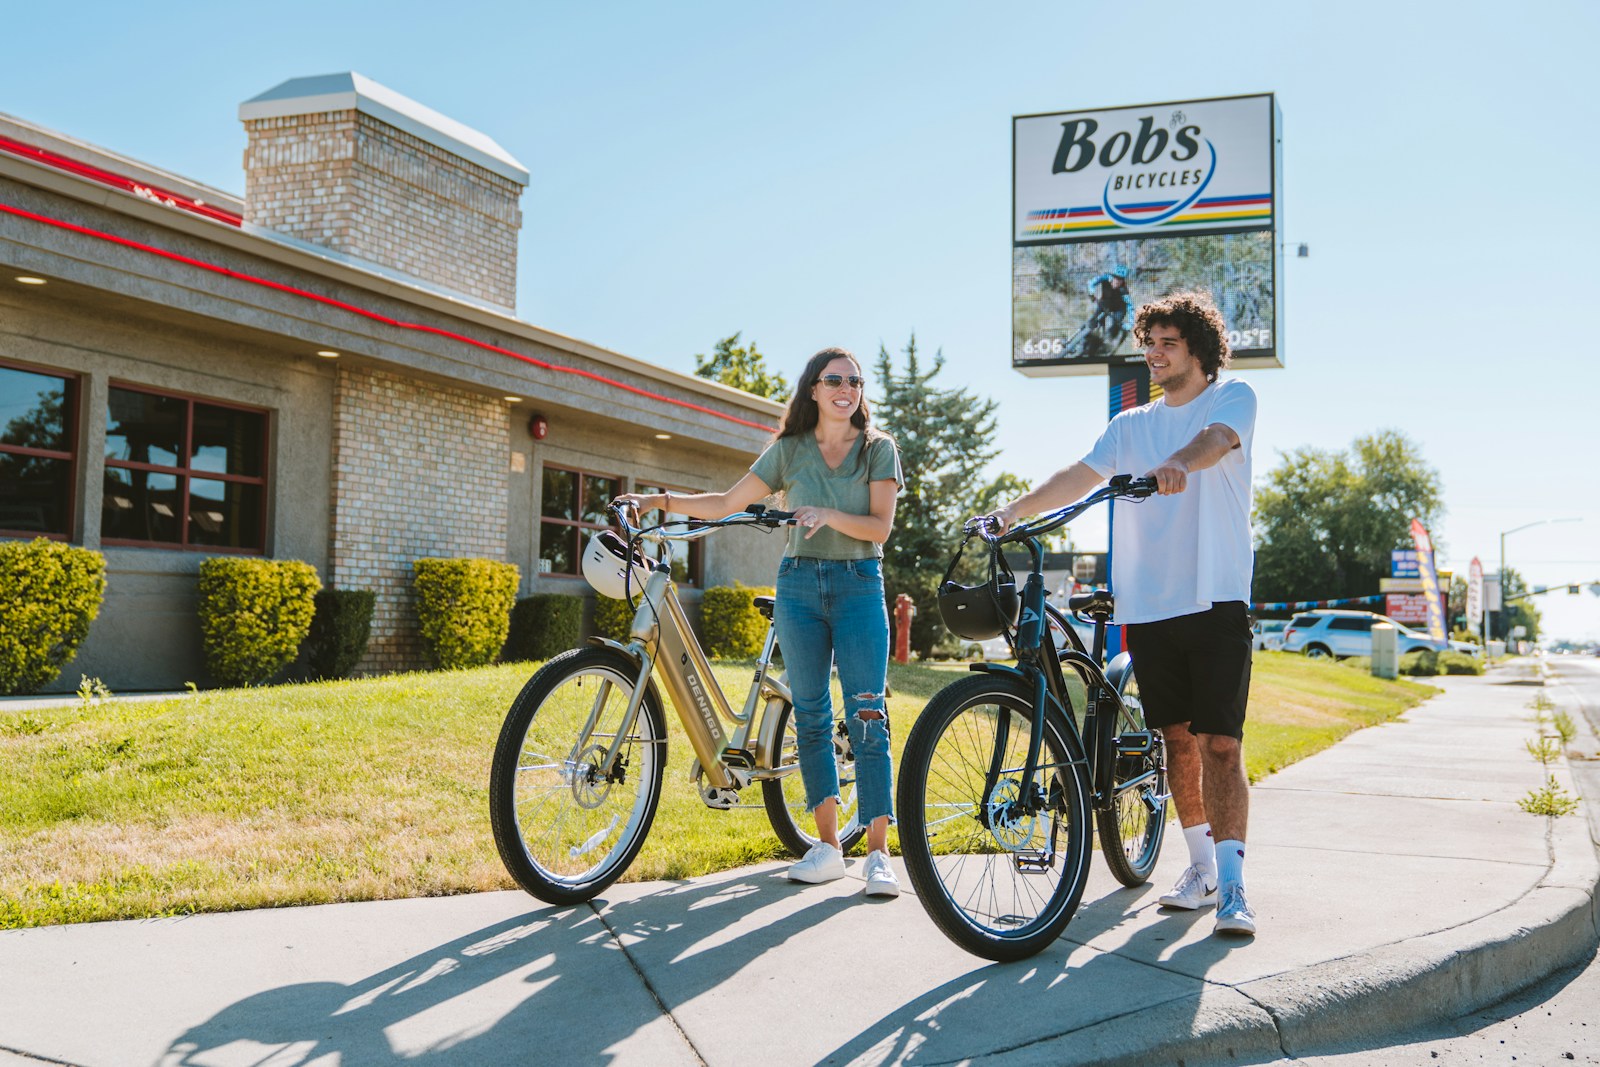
(1367, 999)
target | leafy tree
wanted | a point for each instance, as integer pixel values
(1518, 609)
(946, 439)
(1325, 522)
(743, 368)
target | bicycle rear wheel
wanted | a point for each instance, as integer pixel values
(564, 826)
(1000, 881)
(785, 797)
(1132, 827)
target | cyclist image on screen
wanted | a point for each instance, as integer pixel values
(1180, 573)
(1112, 318)
(840, 477)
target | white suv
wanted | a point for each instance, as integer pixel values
(1349, 633)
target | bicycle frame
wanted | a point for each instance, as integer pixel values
(661, 639)
(1039, 661)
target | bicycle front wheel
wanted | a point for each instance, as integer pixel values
(566, 824)
(999, 873)
(785, 796)
(1133, 825)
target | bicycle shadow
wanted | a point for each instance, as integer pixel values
(1063, 991)
(528, 986)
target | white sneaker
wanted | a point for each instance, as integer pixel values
(1191, 891)
(881, 881)
(1233, 914)
(823, 863)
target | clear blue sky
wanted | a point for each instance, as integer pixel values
(839, 173)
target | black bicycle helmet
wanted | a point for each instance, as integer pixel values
(979, 612)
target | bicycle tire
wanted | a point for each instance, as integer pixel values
(785, 797)
(968, 875)
(1130, 832)
(551, 813)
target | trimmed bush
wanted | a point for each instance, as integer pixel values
(49, 594)
(1453, 662)
(612, 618)
(733, 627)
(464, 608)
(544, 625)
(339, 631)
(254, 613)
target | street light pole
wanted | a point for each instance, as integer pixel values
(1503, 534)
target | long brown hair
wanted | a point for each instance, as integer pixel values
(802, 415)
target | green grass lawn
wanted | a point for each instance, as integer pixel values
(377, 788)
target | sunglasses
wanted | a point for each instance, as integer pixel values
(838, 381)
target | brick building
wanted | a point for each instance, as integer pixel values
(328, 369)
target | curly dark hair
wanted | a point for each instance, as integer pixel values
(801, 417)
(1197, 320)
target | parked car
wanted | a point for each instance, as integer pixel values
(1349, 633)
(1269, 634)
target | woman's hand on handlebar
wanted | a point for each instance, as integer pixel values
(641, 502)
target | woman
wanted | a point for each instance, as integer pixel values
(840, 477)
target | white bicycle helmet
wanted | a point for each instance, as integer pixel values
(605, 566)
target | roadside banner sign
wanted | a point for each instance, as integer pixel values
(1430, 583)
(1475, 594)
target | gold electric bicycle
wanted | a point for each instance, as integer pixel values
(577, 771)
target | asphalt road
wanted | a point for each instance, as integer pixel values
(1555, 1023)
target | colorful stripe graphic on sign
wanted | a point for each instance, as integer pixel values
(1093, 219)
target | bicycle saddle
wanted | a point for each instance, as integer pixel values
(1095, 602)
(764, 604)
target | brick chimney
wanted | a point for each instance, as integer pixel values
(343, 162)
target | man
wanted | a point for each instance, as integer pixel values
(1181, 571)
(1112, 317)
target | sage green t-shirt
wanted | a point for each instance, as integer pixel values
(794, 467)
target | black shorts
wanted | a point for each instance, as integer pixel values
(1195, 669)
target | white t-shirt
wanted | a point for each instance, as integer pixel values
(1176, 555)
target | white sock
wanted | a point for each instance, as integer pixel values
(1201, 852)
(1230, 862)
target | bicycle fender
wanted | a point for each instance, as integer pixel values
(1118, 668)
(995, 668)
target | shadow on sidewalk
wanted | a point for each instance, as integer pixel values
(524, 990)
(1003, 1007)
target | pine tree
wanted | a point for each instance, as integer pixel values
(946, 439)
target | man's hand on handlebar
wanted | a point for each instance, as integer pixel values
(1170, 478)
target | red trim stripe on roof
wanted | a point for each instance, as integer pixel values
(374, 316)
(118, 181)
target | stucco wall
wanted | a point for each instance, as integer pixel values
(148, 635)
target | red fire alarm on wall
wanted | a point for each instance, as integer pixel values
(538, 426)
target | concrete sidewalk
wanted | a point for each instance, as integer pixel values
(1395, 879)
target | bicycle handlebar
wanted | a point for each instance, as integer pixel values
(754, 515)
(1122, 486)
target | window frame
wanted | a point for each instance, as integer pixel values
(186, 473)
(695, 561)
(70, 410)
(580, 473)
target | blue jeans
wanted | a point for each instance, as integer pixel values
(832, 610)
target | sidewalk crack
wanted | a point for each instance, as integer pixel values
(644, 980)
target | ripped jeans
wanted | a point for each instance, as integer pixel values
(832, 610)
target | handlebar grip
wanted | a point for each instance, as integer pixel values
(778, 518)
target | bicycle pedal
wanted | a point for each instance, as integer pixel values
(1032, 861)
(1136, 743)
(739, 757)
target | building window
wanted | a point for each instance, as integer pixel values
(572, 506)
(688, 558)
(184, 473)
(38, 452)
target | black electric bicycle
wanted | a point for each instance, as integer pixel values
(998, 781)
